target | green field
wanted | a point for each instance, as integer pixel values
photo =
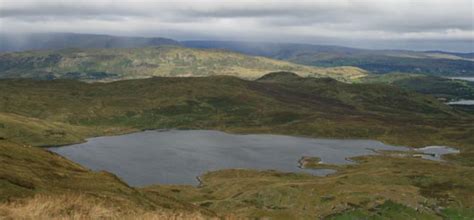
(392, 185)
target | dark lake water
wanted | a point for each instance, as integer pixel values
(179, 156)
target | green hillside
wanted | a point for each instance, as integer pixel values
(310, 106)
(382, 62)
(61, 189)
(443, 88)
(136, 63)
(42, 113)
(437, 63)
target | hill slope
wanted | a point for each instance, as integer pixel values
(65, 111)
(438, 63)
(376, 61)
(116, 64)
(304, 106)
(443, 88)
(62, 189)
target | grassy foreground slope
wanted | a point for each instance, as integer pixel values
(135, 63)
(64, 111)
(63, 189)
(390, 186)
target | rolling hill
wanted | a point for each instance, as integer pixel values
(439, 63)
(135, 63)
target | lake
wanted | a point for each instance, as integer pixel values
(467, 78)
(179, 156)
(461, 102)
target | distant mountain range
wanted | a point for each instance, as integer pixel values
(46, 41)
(289, 50)
(376, 61)
(437, 63)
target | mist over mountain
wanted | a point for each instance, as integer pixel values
(38, 41)
(373, 24)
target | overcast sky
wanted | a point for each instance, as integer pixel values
(404, 24)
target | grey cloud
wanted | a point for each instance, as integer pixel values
(272, 20)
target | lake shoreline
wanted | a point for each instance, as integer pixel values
(188, 154)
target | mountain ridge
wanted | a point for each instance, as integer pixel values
(129, 63)
(434, 62)
(376, 61)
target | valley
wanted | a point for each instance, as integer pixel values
(229, 110)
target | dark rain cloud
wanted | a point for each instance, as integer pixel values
(269, 20)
